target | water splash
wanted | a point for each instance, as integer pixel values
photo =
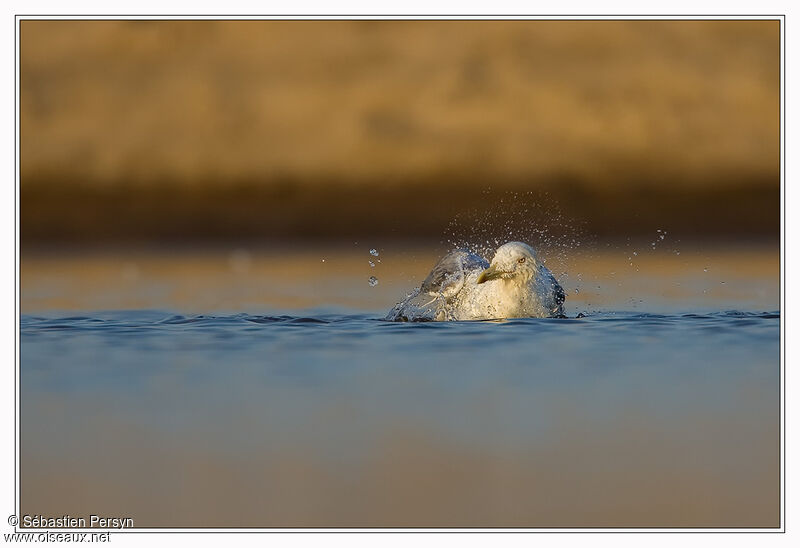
(531, 217)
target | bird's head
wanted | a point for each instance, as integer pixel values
(511, 260)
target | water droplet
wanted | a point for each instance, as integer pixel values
(373, 281)
(323, 260)
(240, 260)
(721, 282)
(576, 290)
(658, 230)
(634, 253)
(705, 269)
(661, 237)
(373, 252)
(130, 271)
(371, 264)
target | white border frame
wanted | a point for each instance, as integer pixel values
(17, 457)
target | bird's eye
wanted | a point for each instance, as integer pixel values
(521, 260)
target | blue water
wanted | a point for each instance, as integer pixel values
(342, 419)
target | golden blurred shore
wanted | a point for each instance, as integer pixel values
(195, 130)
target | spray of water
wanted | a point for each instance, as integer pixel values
(532, 217)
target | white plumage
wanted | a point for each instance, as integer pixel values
(464, 286)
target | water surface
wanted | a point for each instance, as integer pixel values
(655, 411)
(346, 420)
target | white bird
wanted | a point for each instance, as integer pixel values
(464, 286)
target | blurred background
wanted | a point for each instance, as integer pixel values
(239, 143)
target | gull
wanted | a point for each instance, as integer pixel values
(464, 286)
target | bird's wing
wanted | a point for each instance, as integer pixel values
(558, 291)
(554, 290)
(448, 276)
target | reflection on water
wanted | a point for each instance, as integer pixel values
(672, 278)
(335, 418)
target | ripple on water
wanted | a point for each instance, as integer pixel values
(365, 323)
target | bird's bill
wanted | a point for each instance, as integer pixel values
(490, 273)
